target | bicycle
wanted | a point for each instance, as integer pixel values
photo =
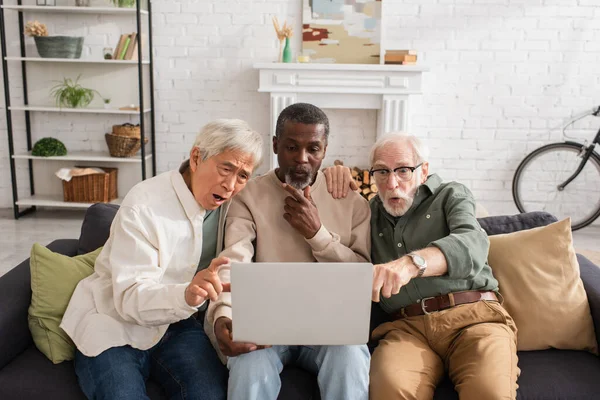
(566, 179)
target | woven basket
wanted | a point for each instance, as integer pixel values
(126, 130)
(59, 46)
(123, 146)
(93, 188)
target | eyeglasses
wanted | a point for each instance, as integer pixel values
(403, 174)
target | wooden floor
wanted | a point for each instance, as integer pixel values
(44, 226)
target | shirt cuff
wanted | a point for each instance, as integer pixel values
(182, 308)
(222, 310)
(321, 239)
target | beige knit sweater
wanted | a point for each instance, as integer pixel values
(255, 230)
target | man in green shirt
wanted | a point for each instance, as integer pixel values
(432, 279)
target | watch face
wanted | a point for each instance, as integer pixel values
(420, 261)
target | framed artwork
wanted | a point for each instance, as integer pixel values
(341, 31)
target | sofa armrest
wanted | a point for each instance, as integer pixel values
(590, 275)
(15, 297)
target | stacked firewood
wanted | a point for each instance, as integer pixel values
(367, 189)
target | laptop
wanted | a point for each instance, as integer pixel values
(301, 303)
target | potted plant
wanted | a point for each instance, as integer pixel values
(69, 93)
(106, 103)
(48, 147)
(123, 3)
(53, 46)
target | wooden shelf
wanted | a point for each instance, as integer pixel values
(75, 10)
(96, 156)
(76, 110)
(76, 60)
(55, 201)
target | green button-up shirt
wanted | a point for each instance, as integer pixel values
(442, 215)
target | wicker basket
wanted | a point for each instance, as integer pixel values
(126, 130)
(93, 188)
(123, 146)
(59, 46)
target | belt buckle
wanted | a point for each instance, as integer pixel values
(422, 301)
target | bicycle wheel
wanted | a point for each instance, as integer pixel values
(535, 184)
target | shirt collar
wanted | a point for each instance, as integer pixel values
(186, 198)
(428, 188)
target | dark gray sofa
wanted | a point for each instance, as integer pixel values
(26, 374)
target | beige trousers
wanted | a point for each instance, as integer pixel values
(475, 343)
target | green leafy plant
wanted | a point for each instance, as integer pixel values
(48, 147)
(69, 93)
(123, 3)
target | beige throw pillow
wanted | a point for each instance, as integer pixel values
(538, 273)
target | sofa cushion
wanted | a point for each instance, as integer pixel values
(96, 226)
(512, 223)
(548, 374)
(298, 384)
(538, 274)
(558, 374)
(53, 279)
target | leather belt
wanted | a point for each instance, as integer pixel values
(439, 303)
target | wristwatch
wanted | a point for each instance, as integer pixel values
(419, 263)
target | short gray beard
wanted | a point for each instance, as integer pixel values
(398, 211)
(298, 184)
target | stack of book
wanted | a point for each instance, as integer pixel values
(127, 48)
(402, 57)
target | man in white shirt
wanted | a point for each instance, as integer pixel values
(134, 317)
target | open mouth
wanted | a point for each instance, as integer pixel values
(218, 198)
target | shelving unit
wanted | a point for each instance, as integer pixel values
(77, 60)
(77, 10)
(25, 205)
(97, 156)
(54, 201)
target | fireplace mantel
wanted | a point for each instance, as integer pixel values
(386, 88)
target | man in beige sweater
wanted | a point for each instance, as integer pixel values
(287, 215)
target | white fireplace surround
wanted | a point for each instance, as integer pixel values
(386, 88)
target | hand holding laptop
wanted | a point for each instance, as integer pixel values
(224, 334)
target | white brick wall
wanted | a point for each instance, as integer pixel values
(502, 73)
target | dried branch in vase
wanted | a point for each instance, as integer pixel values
(283, 33)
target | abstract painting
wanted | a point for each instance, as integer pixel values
(341, 31)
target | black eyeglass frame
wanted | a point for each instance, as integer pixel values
(412, 170)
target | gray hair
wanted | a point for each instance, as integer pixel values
(420, 149)
(229, 134)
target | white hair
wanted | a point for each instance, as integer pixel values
(420, 149)
(229, 134)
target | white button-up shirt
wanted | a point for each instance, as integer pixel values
(138, 286)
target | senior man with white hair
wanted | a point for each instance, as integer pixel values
(134, 317)
(435, 284)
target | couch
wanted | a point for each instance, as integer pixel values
(25, 373)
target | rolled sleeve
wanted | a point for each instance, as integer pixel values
(466, 247)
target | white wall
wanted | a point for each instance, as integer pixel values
(502, 73)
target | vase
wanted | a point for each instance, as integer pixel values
(287, 51)
(59, 46)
